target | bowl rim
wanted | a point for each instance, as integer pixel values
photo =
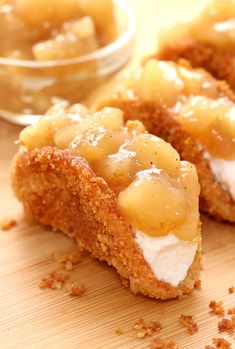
(103, 52)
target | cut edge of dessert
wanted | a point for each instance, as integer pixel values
(207, 40)
(194, 112)
(121, 193)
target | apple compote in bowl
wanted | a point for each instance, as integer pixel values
(58, 50)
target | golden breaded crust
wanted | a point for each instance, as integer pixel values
(216, 60)
(214, 199)
(61, 190)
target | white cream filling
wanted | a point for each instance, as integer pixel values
(224, 173)
(168, 256)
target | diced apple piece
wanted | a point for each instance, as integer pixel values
(160, 83)
(189, 179)
(135, 126)
(102, 12)
(118, 169)
(84, 29)
(198, 113)
(153, 203)
(222, 137)
(212, 123)
(46, 12)
(63, 137)
(110, 118)
(97, 143)
(63, 46)
(151, 150)
(198, 83)
(228, 122)
(79, 109)
(76, 38)
(42, 133)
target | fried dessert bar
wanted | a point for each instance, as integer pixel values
(196, 114)
(208, 41)
(122, 193)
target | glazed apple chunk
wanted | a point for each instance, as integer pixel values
(156, 192)
(76, 38)
(193, 98)
(213, 123)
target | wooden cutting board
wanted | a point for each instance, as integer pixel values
(32, 318)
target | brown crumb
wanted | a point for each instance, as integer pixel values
(221, 343)
(210, 347)
(146, 329)
(7, 223)
(68, 265)
(75, 288)
(198, 284)
(182, 296)
(118, 330)
(125, 282)
(227, 324)
(231, 290)
(159, 343)
(68, 260)
(55, 280)
(217, 308)
(231, 311)
(189, 323)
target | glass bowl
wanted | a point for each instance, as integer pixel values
(29, 88)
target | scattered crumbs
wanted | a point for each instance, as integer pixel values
(118, 330)
(231, 311)
(68, 266)
(55, 280)
(217, 308)
(227, 324)
(219, 343)
(7, 223)
(231, 290)
(198, 284)
(68, 260)
(159, 343)
(188, 322)
(182, 296)
(146, 329)
(75, 288)
(125, 282)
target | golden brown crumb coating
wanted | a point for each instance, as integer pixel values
(214, 199)
(216, 60)
(59, 189)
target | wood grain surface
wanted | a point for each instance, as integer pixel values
(32, 318)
